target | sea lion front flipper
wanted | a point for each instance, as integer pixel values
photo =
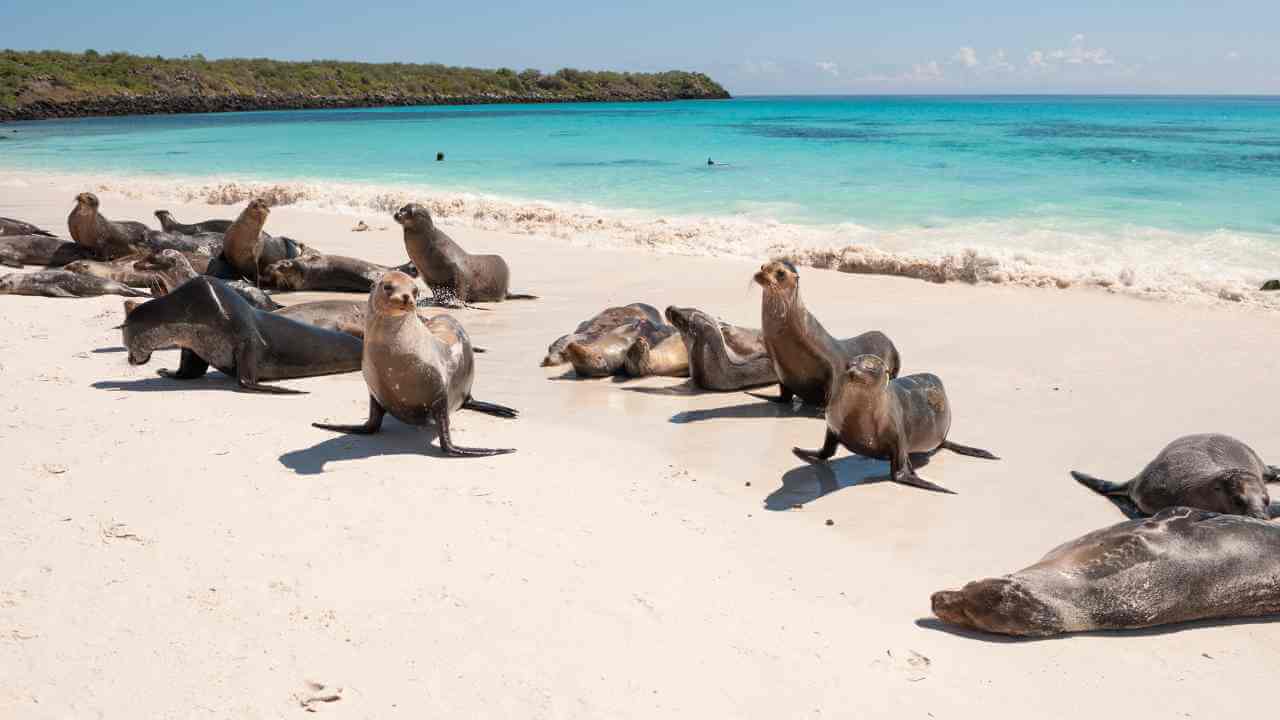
(784, 395)
(966, 450)
(490, 408)
(370, 426)
(1100, 486)
(441, 415)
(829, 446)
(190, 367)
(900, 471)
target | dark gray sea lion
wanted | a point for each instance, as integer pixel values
(417, 371)
(589, 329)
(323, 272)
(215, 326)
(107, 239)
(668, 357)
(247, 249)
(63, 284)
(168, 224)
(9, 227)
(877, 417)
(605, 354)
(1210, 472)
(1181, 565)
(455, 276)
(122, 271)
(721, 356)
(20, 250)
(174, 268)
(804, 354)
(207, 244)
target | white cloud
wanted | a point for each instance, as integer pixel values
(1077, 53)
(829, 68)
(967, 57)
(761, 67)
(1000, 62)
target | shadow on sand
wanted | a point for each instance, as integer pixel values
(747, 411)
(395, 438)
(811, 481)
(102, 350)
(157, 383)
(931, 623)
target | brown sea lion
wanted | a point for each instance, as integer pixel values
(122, 271)
(10, 227)
(168, 224)
(215, 326)
(455, 277)
(107, 239)
(20, 250)
(886, 419)
(1181, 565)
(722, 356)
(63, 284)
(174, 268)
(669, 357)
(605, 354)
(247, 249)
(416, 371)
(589, 329)
(803, 352)
(323, 272)
(346, 316)
(1209, 472)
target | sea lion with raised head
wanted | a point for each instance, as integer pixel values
(418, 372)
(215, 326)
(1181, 565)
(20, 250)
(593, 327)
(168, 224)
(10, 227)
(721, 356)
(803, 353)
(107, 239)
(63, 284)
(606, 354)
(455, 277)
(888, 419)
(173, 268)
(669, 357)
(1209, 472)
(323, 272)
(247, 249)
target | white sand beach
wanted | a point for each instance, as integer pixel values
(180, 549)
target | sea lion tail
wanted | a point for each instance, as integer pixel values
(1272, 474)
(970, 451)
(1098, 485)
(522, 296)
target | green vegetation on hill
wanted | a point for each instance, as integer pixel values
(50, 79)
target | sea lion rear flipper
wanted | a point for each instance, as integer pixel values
(190, 367)
(247, 371)
(490, 408)
(370, 426)
(829, 446)
(441, 414)
(521, 296)
(966, 450)
(1100, 486)
(1272, 474)
(478, 349)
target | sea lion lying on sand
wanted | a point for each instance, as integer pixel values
(323, 272)
(123, 271)
(668, 358)
(168, 224)
(19, 250)
(606, 353)
(589, 329)
(63, 284)
(174, 268)
(10, 227)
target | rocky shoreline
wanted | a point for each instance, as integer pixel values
(185, 104)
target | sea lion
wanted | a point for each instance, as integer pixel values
(20, 250)
(108, 240)
(123, 271)
(215, 326)
(248, 250)
(669, 357)
(804, 354)
(206, 244)
(346, 316)
(589, 329)
(10, 227)
(63, 284)
(323, 272)
(455, 277)
(1183, 564)
(174, 268)
(1209, 472)
(416, 371)
(886, 419)
(168, 224)
(721, 356)
(605, 354)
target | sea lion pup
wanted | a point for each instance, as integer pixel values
(168, 224)
(107, 239)
(416, 371)
(20, 250)
(123, 271)
(215, 326)
(173, 268)
(887, 419)
(1209, 472)
(605, 354)
(323, 272)
(804, 354)
(669, 357)
(1181, 565)
(248, 250)
(63, 284)
(10, 227)
(455, 277)
(721, 356)
(589, 329)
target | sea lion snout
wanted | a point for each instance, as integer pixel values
(411, 213)
(138, 357)
(87, 199)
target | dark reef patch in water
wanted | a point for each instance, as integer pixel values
(805, 132)
(625, 162)
(1078, 130)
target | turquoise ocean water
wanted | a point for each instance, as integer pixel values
(1152, 191)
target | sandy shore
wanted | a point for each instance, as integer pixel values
(178, 550)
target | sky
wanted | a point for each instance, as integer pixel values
(818, 47)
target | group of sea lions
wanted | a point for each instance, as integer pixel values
(1206, 550)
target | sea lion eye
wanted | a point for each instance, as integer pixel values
(780, 275)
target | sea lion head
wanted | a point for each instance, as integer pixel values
(587, 361)
(285, 275)
(999, 605)
(414, 217)
(1235, 492)
(394, 294)
(162, 215)
(79, 267)
(160, 261)
(86, 201)
(868, 370)
(257, 209)
(687, 320)
(134, 332)
(778, 275)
